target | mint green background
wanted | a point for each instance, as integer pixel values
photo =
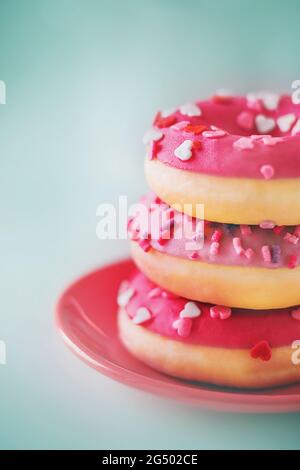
(83, 81)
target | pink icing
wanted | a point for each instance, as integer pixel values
(224, 244)
(222, 156)
(243, 329)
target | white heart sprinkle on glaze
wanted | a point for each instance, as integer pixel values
(142, 315)
(152, 135)
(178, 126)
(190, 109)
(296, 128)
(270, 100)
(271, 141)
(184, 150)
(244, 143)
(125, 296)
(168, 112)
(285, 122)
(264, 124)
(214, 134)
(191, 310)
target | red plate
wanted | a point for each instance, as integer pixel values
(86, 319)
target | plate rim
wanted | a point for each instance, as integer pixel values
(216, 398)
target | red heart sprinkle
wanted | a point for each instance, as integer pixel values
(262, 351)
(161, 122)
(197, 145)
(195, 129)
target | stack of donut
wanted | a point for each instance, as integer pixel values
(219, 302)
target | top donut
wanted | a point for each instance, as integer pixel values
(239, 156)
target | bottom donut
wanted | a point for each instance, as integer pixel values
(208, 343)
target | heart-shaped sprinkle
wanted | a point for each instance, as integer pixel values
(237, 245)
(154, 149)
(184, 150)
(190, 109)
(155, 292)
(195, 128)
(292, 261)
(152, 135)
(191, 310)
(261, 351)
(276, 253)
(145, 245)
(270, 100)
(296, 128)
(214, 133)
(162, 122)
(168, 112)
(244, 143)
(245, 230)
(179, 126)
(245, 120)
(220, 312)
(296, 314)
(265, 224)
(285, 122)
(124, 296)
(266, 253)
(214, 248)
(267, 171)
(264, 124)
(193, 255)
(141, 316)
(249, 253)
(183, 326)
(269, 140)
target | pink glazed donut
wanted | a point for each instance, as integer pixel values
(239, 156)
(255, 267)
(208, 343)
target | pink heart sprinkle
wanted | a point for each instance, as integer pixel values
(244, 143)
(267, 171)
(265, 224)
(249, 253)
(245, 120)
(183, 326)
(220, 312)
(296, 314)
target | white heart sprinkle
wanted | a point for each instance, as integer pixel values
(152, 135)
(296, 128)
(168, 112)
(190, 109)
(178, 126)
(224, 93)
(184, 150)
(270, 100)
(191, 310)
(285, 122)
(142, 315)
(264, 124)
(125, 296)
(268, 140)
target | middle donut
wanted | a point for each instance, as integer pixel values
(243, 266)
